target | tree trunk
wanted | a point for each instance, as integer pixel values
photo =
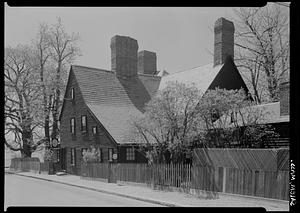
(27, 138)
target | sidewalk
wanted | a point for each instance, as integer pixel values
(172, 199)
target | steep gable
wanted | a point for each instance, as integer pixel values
(113, 100)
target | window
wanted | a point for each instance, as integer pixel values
(99, 154)
(83, 123)
(110, 154)
(57, 155)
(72, 156)
(94, 130)
(72, 94)
(72, 125)
(130, 154)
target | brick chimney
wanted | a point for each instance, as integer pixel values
(124, 56)
(147, 62)
(284, 95)
(224, 40)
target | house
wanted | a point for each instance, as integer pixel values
(276, 114)
(99, 104)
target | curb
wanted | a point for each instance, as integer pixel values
(99, 190)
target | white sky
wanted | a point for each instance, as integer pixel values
(182, 37)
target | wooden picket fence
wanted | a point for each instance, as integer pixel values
(196, 179)
(95, 170)
(25, 164)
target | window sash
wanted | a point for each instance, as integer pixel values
(130, 154)
(72, 93)
(94, 130)
(110, 154)
(83, 123)
(72, 156)
(72, 121)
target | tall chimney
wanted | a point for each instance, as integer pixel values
(224, 40)
(284, 95)
(147, 62)
(124, 55)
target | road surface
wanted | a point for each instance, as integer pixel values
(24, 191)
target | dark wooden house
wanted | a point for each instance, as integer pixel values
(99, 104)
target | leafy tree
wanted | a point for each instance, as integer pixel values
(170, 122)
(91, 155)
(180, 118)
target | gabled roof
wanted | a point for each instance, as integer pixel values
(201, 77)
(264, 113)
(115, 100)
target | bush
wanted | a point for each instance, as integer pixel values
(91, 155)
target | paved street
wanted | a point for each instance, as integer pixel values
(23, 191)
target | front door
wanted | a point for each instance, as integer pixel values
(62, 159)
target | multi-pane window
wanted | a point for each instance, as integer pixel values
(72, 94)
(72, 125)
(130, 155)
(73, 156)
(83, 123)
(110, 154)
(94, 130)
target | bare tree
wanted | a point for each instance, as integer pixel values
(262, 41)
(22, 100)
(42, 56)
(63, 51)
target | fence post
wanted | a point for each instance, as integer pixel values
(224, 180)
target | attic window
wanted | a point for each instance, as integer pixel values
(94, 130)
(72, 125)
(83, 123)
(72, 94)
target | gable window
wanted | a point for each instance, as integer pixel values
(72, 156)
(130, 155)
(94, 130)
(110, 154)
(72, 94)
(72, 126)
(83, 123)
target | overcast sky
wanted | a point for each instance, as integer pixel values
(181, 37)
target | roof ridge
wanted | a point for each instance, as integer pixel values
(110, 71)
(148, 75)
(192, 68)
